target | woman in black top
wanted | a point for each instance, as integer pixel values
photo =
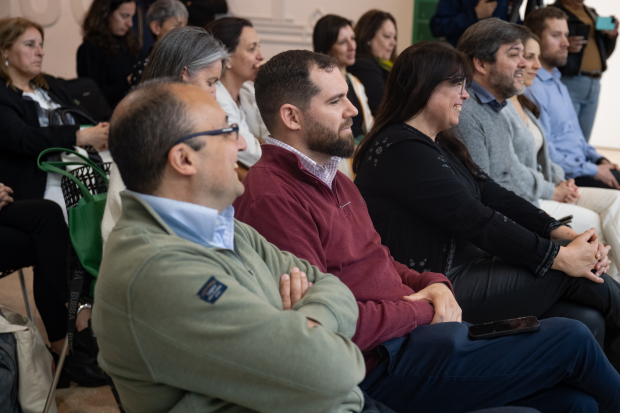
(33, 230)
(437, 211)
(110, 49)
(375, 33)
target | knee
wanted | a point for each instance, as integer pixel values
(567, 331)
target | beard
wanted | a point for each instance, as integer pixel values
(554, 60)
(324, 140)
(504, 84)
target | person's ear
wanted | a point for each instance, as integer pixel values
(183, 160)
(481, 66)
(185, 75)
(290, 116)
(155, 28)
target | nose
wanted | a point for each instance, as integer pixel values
(565, 42)
(465, 94)
(40, 51)
(350, 110)
(259, 55)
(130, 22)
(242, 145)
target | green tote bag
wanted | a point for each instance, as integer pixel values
(85, 218)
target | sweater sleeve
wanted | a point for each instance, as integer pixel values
(427, 185)
(451, 19)
(418, 281)
(240, 338)
(287, 224)
(29, 141)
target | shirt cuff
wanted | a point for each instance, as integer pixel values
(590, 169)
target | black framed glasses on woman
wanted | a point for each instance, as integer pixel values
(234, 128)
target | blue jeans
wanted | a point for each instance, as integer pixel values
(584, 94)
(438, 368)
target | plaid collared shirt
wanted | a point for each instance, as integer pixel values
(325, 173)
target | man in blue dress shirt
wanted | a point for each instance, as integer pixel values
(567, 145)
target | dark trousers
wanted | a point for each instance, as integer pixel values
(490, 289)
(373, 406)
(595, 183)
(438, 368)
(34, 233)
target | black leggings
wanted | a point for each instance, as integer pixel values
(490, 289)
(34, 233)
(595, 183)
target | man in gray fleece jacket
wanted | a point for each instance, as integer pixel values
(189, 312)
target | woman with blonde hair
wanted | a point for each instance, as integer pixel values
(34, 226)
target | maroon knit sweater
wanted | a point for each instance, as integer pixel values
(332, 229)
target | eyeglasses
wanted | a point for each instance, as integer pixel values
(234, 128)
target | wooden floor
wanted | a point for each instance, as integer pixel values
(78, 399)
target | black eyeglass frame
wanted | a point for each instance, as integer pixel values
(232, 128)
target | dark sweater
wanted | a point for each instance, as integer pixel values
(433, 215)
(22, 139)
(110, 73)
(373, 77)
(604, 43)
(298, 213)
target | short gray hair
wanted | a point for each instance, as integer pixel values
(142, 134)
(190, 47)
(162, 10)
(483, 39)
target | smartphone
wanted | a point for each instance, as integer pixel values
(605, 23)
(581, 30)
(504, 328)
(566, 220)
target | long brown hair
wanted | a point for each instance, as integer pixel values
(10, 30)
(524, 100)
(367, 27)
(96, 28)
(416, 74)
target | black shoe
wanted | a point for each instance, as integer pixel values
(81, 368)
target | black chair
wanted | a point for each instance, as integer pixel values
(72, 195)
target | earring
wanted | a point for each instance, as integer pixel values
(368, 43)
(228, 67)
(6, 62)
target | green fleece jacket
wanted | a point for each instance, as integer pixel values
(185, 328)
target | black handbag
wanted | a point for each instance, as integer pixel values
(60, 116)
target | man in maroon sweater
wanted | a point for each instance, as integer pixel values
(296, 198)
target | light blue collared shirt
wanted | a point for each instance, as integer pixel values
(558, 119)
(195, 223)
(486, 97)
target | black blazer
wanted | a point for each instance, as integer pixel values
(373, 77)
(22, 139)
(429, 210)
(605, 44)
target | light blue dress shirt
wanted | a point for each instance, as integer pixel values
(567, 146)
(195, 223)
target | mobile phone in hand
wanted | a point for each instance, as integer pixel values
(503, 328)
(605, 23)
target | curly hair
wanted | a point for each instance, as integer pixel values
(96, 28)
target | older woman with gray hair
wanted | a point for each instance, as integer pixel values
(187, 53)
(161, 17)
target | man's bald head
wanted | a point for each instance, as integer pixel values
(145, 125)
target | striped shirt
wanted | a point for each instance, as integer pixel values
(325, 173)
